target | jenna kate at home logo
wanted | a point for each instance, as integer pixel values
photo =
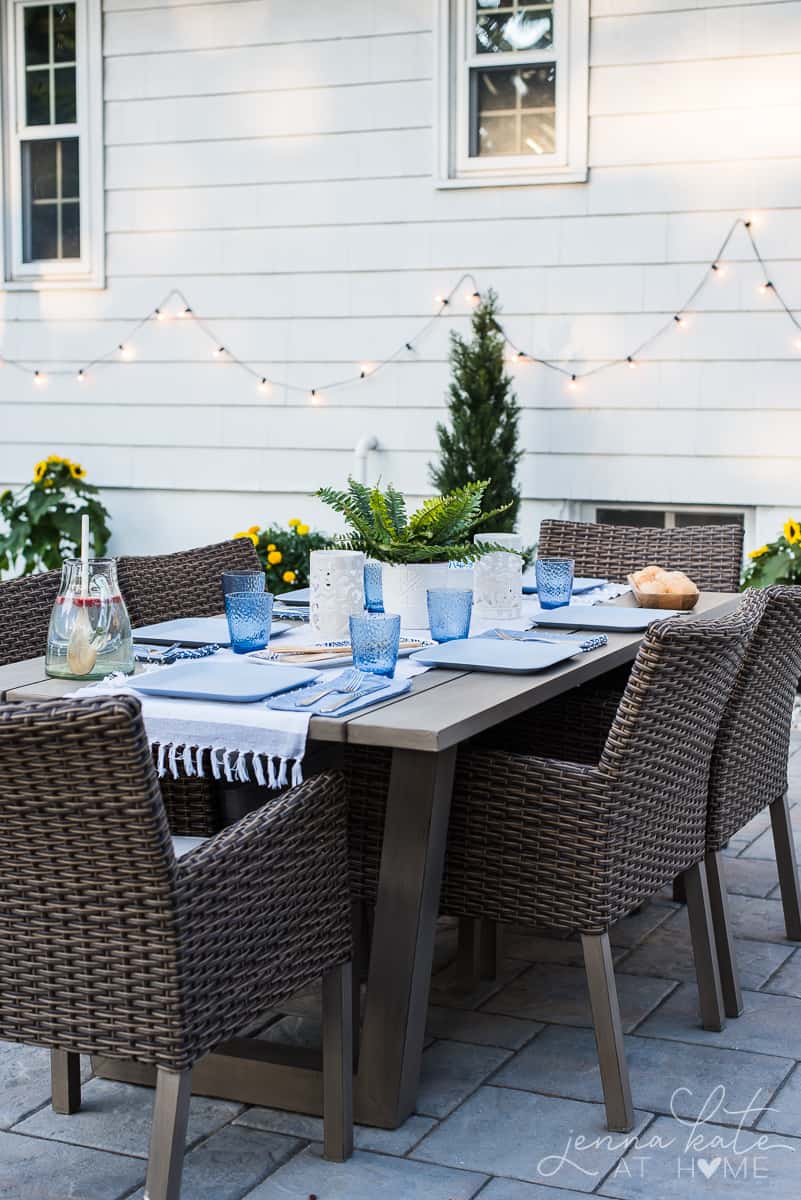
(716, 1142)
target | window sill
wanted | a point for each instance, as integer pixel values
(561, 175)
(77, 283)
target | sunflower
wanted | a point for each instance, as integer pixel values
(254, 529)
(274, 557)
(289, 577)
(56, 458)
(792, 530)
(758, 553)
(77, 471)
(39, 471)
(249, 535)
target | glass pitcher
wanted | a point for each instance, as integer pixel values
(108, 632)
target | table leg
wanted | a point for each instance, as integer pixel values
(412, 858)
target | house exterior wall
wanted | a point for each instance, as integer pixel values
(276, 160)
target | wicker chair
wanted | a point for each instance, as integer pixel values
(749, 767)
(111, 946)
(25, 607)
(710, 554)
(162, 587)
(574, 846)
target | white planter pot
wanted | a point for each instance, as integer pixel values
(405, 587)
(336, 583)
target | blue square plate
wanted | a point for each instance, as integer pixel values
(194, 631)
(611, 618)
(485, 654)
(240, 682)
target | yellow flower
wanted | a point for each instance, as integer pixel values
(254, 529)
(293, 523)
(289, 576)
(758, 553)
(39, 471)
(303, 530)
(252, 537)
(271, 546)
(56, 458)
(49, 481)
(792, 530)
(274, 557)
(77, 471)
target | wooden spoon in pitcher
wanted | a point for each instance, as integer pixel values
(81, 654)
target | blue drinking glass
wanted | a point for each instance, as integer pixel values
(449, 612)
(373, 591)
(374, 639)
(243, 581)
(554, 581)
(249, 616)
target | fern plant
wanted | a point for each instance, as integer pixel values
(441, 530)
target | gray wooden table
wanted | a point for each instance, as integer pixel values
(423, 729)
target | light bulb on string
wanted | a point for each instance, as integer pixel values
(315, 398)
(765, 287)
(185, 312)
(632, 364)
(797, 343)
(81, 376)
(572, 383)
(680, 320)
(161, 315)
(126, 351)
(365, 369)
(218, 352)
(472, 297)
(264, 384)
(718, 270)
(39, 379)
(442, 301)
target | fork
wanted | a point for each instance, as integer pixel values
(348, 681)
(353, 691)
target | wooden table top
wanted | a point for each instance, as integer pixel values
(442, 708)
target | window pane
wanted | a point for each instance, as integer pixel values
(70, 231)
(66, 108)
(42, 169)
(37, 35)
(708, 518)
(513, 110)
(37, 97)
(630, 516)
(44, 232)
(51, 207)
(64, 33)
(69, 169)
(502, 28)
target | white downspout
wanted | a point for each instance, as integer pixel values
(366, 443)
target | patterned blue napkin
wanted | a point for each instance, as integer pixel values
(593, 642)
(373, 692)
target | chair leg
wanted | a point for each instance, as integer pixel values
(704, 951)
(608, 1031)
(338, 1063)
(679, 894)
(479, 949)
(65, 1081)
(165, 1163)
(788, 868)
(724, 942)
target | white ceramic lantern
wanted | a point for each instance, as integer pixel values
(336, 582)
(498, 579)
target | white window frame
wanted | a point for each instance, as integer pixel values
(589, 510)
(456, 57)
(88, 271)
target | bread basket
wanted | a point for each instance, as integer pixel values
(682, 603)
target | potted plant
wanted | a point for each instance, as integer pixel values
(284, 552)
(778, 561)
(415, 550)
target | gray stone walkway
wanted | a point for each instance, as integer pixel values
(509, 1102)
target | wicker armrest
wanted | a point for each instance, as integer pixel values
(532, 840)
(264, 908)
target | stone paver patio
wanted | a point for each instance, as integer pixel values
(509, 1103)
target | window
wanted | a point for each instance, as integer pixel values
(513, 101)
(661, 518)
(53, 141)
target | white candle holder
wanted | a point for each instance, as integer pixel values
(498, 579)
(336, 582)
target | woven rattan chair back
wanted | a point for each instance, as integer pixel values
(749, 764)
(25, 607)
(163, 587)
(710, 554)
(657, 755)
(88, 936)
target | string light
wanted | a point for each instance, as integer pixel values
(175, 304)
